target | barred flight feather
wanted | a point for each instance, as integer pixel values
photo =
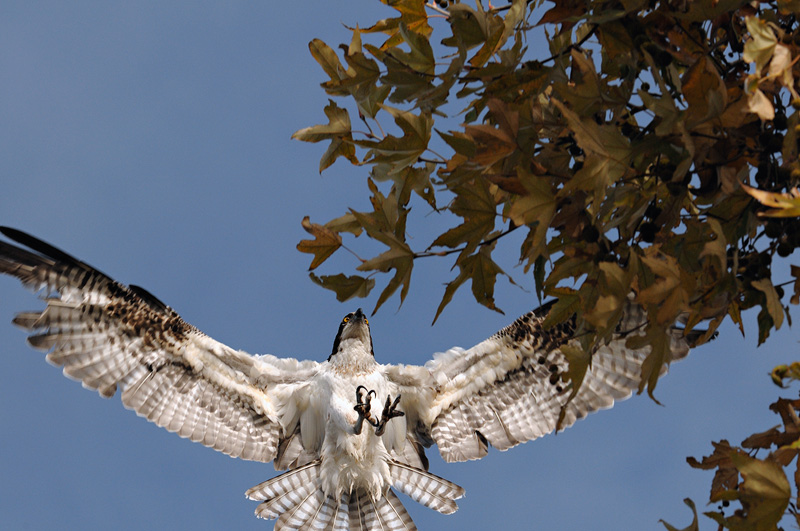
(423, 487)
(508, 389)
(341, 476)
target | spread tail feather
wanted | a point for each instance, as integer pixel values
(423, 487)
(297, 501)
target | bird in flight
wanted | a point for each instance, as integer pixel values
(349, 431)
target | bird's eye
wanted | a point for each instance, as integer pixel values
(345, 319)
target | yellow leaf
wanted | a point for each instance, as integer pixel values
(761, 44)
(716, 247)
(780, 67)
(765, 491)
(759, 104)
(784, 205)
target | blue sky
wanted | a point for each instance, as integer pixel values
(152, 140)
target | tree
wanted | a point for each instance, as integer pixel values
(624, 154)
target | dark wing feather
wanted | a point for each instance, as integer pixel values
(110, 336)
(508, 389)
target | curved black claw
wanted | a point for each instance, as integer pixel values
(389, 412)
(363, 403)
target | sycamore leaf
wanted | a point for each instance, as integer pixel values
(493, 28)
(715, 247)
(324, 244)
(491, 144)
(607, 309)
(658, 341)
(764, 492)
(761, 45)
(475, 203)
(536, 207)
(420, 58)
(412, 14)
(667, 293)
(482, 271)
(785, 372)
(404, 151)
(694, 526)
(567, 305)
(704, 91)
(459, 142)
(726, 477)
(345, 223)
(337, 130)
(399, 257)
(796, 295)
(759, 104)
(345, 287)
(784, 205)
(701, 11)
(387, 221)
(773, 302)
(578, 361)
(327, 59)
(780, 67)
(608, 155)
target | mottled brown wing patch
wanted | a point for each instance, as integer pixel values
(109, 337)
(512, 388)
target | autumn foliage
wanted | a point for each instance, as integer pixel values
(640, 146)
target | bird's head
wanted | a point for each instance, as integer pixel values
(354, 327)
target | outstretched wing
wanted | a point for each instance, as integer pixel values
(508, 389)
(112, 336)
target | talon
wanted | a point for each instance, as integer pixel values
(389, 412)
(364, 403)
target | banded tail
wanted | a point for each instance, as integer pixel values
(297, 501)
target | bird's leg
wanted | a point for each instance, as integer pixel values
(389, 412)
(362, 407)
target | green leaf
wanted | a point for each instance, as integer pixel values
(345, 287)
(324, 244)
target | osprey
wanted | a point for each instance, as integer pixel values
(349, 431)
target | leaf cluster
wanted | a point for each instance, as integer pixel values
(619, 156)
(754, 493)
(644, 148)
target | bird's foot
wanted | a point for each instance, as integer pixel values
(363, 405)
(389, 412)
